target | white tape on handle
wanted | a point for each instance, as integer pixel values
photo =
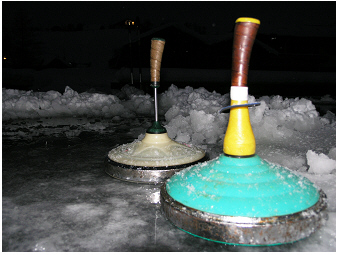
(238, 93)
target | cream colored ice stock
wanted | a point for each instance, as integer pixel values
(155, 150)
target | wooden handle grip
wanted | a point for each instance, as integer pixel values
(244, 37)
(157, 47)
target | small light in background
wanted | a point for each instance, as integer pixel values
(129, 23)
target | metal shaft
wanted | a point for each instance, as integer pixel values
(157, 47)
(156, 105)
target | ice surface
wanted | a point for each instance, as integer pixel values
(57, 197)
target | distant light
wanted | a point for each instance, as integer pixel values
(129, 23)
(4, 58)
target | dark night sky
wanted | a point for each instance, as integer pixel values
(281, 18)
(286, 18)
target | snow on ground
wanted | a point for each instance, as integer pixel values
(288, 131)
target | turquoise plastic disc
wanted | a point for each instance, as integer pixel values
(249, 187)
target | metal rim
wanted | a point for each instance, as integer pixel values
(142, 174)
(236, 230)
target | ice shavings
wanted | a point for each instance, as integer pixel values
(193, 115)
(140, 104)
(277, 118)
(320, 163)
(29, 104)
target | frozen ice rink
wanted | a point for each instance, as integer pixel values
(56, 195)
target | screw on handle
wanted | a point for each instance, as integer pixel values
(244, 37)
(157, 47)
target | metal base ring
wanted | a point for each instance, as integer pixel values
(140, 174)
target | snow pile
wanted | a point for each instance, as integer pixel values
(140, 104)
(332, 153)
(191, 116)
(276, 118)
(29, 104)
(327, 98)
(194, 118)
(190, 98)
(128, 92)
(320, 163)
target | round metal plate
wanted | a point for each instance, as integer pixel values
(245, 230)
(140, 174)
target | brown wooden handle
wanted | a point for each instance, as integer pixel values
(157, 47)
(244, 37)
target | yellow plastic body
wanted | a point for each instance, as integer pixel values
(246, 19)
(239, 139)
